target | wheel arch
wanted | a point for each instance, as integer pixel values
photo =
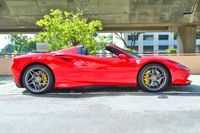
(31, 64)
(170, 75)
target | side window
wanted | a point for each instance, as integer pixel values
(110, 52)
(106, 53)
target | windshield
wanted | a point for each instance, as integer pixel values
(132, 53)
(117, 52)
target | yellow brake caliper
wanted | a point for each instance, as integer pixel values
(146, 77)
(44, 77)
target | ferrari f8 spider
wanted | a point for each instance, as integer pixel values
(73, 67)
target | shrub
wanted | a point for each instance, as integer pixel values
(171, 51)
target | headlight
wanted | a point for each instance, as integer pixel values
(181, 65)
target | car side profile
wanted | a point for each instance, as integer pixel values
(73, 67)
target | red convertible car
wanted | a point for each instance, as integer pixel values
(73, 67)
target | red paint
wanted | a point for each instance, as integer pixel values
(72, 69)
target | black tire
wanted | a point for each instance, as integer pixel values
(154, 79)
(43, 70)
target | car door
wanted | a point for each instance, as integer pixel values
(107, 70)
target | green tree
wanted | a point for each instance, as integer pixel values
(8, 49)
(63, 29)
(31, 45)
(171, 51)
(19, 44)
(104, 40)
(175, 35)
(198, 35)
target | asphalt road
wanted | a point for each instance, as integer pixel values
(174, 111)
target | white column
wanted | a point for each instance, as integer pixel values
(140, 44)
(171, 41)
(155, 43)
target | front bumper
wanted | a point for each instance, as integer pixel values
(180, 77)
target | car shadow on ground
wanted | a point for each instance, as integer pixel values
(86, 92)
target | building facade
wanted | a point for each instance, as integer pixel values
(151, 42)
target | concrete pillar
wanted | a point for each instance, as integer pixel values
(155, 43)
(140, 44)
(186, 39)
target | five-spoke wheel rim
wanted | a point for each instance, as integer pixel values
(154, 78)
(37, 79)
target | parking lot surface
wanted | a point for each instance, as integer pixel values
(97, 110)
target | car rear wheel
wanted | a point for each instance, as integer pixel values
(153, 77)
(38, 79)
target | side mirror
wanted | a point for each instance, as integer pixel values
(122, 56)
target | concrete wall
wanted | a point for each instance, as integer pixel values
(5, 65)
(191, 61)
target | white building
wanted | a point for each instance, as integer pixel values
(150, 42)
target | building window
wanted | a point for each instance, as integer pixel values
(163, 49)
(148, 49)
(148, 37)
(163, 37)
(132, 37)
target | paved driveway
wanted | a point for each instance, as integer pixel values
(105, 110)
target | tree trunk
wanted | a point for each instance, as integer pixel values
(121, 38)
(74, 43)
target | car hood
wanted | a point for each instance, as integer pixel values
(147, 59)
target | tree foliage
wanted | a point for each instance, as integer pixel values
(132, 51)
(63, 29)
(104, 40)
(171, 51)
(175, 35)
(198, 35)
(19, 44)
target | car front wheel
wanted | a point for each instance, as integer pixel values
(153, 77)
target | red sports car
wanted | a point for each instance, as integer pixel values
(73, 67)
